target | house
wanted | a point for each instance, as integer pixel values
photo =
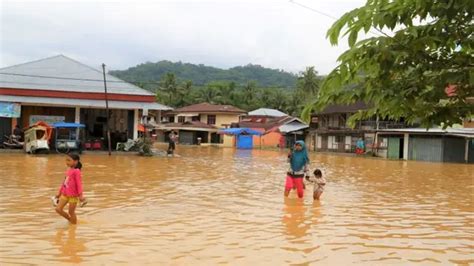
(202, 121)
(62, 89)
(279, 129)
(330, 130)
(434, 144)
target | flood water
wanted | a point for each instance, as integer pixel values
(222, 206)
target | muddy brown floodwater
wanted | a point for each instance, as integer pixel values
(222, 206)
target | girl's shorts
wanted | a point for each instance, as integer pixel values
(70, 199)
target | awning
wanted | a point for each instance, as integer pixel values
(67, 125)
(292, 128)
(47, 101)
(240, 131)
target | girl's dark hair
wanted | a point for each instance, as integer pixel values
(76, 157)
(318, 172)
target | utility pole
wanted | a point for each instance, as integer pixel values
(107, 112)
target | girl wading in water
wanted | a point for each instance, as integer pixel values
(299, 163)
(70, 191)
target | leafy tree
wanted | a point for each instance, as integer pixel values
(405, 74)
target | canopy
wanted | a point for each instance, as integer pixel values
(240, 131)
(67, 125)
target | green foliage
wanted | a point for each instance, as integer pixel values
(201, 75)
(170, 91)
(404, 74)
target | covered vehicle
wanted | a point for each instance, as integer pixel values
(68, 137)
(37, 138)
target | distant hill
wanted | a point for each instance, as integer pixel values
(201, 74)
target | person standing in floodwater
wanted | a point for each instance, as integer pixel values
(172, 138)
(299, 166)
(70, 191)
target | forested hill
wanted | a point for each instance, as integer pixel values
(201, 74)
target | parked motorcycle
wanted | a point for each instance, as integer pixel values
(12, 142)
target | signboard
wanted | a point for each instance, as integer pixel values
(49, 119)
(10, 109)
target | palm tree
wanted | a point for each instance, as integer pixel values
(209, 94)
(308, 82)
(279, 101)
(249, 92)
(169, 86)
(227, 92)
(184, 92)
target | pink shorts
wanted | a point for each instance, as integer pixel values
(295, 182)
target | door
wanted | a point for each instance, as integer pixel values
(186, 137)
(244, 142)
(393, 148)
(324, 143)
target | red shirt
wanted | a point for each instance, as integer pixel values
(72, 185)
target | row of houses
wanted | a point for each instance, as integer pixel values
(330, 132)
(62, 89)
(59, 88)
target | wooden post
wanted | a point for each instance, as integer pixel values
(406, 137)
(107, 112)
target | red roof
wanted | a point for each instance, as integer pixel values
(209, 108)
(268, 124)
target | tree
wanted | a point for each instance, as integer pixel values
(404, 74)
(308, 81)
(169, 86)
(184, 92)
(249, 92)
(208, 94)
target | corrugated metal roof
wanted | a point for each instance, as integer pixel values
(431, 130)
(83, 103)
(267, 112)
(63, 67)
(291, 128)
(459, 132)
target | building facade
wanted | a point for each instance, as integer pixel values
(201, 121)
(330, 131)
(60, 89)
(279, 129)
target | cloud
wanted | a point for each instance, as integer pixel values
(275, 34)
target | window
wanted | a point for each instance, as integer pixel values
(181, 119)
(196, 118)
(211, 119)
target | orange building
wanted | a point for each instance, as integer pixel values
(280, 130)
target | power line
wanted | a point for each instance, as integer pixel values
(332, 17)
(65, 78)
(314, 10)
(79, 79)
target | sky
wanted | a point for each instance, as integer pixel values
(221, 33)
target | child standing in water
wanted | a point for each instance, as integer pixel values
(70, 191)
(299, 161)
(319, 183)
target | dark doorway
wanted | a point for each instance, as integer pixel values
(400, 150)
(5, 127)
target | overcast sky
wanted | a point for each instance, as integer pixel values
(221, 33)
